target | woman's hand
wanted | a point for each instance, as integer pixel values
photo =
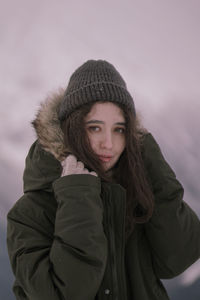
(72, 166)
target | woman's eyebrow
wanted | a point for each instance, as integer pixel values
(101, 122)
(121, 123)
(94, 121)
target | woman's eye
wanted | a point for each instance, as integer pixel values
(120, 130)
(94, 128)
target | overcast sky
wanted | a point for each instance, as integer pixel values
(154, 44)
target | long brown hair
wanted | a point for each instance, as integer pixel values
(129, 170)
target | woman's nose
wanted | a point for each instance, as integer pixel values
(106, 141)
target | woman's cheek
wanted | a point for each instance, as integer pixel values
(93, 144)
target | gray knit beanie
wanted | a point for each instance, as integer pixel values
(95, 80)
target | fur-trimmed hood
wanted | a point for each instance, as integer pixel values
(47, 126)
(48, 130)
(44, 160)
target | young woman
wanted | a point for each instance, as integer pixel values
(102, 215)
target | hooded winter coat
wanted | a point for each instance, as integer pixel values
(66, 235)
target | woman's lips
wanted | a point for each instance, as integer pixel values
(105, 158)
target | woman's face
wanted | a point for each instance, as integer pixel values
(105, 127)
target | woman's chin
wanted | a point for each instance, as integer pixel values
(107, 167)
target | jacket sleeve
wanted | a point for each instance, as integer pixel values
(173, 232)
(69, 264)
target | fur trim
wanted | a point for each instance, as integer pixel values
(47, 126)
(49, 132)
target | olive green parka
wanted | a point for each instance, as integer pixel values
(66, 235)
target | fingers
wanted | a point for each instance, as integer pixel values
(94, 173)
(72, 166)
(79, 167)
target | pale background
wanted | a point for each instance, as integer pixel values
(154, 44)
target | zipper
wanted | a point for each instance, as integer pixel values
(122, 274)
(112, 249)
